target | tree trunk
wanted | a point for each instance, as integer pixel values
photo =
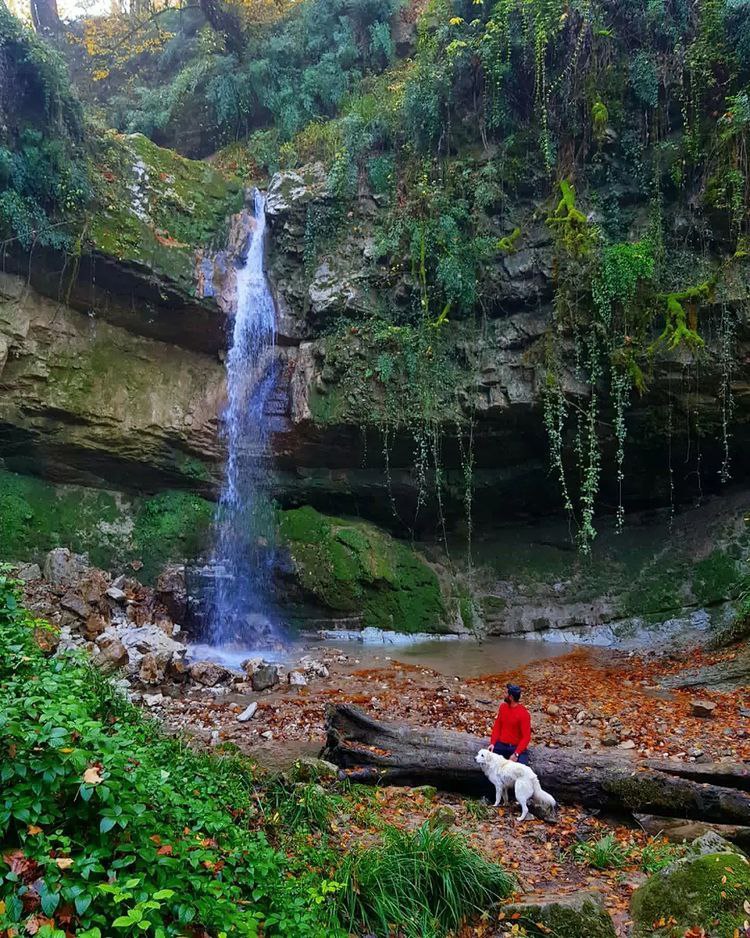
(222, 20)
(399, 754)
(45, 17)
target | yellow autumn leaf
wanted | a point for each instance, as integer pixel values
(33, 829)
(456, 20)
(66, 750)
(92, 775)
(64, 863)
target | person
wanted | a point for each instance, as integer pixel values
(511, 733)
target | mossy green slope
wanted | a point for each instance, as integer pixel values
(707, 892)
(113, 530)
(353, 567)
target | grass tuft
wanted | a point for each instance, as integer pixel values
(426, 882)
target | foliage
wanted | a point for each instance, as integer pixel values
(100, 832)
(288, 69)
(428, 880)
(606, 853)
(43, 179)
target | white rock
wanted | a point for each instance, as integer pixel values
(115, 594)
(627, 744)
(267, 735)
(297, 679)
(248, 713)
(153, 700)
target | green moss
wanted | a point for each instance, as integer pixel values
(583, 919)
(170, 526)
(36, 516)
(715, 578)
(156, 207)
(640, 795)
(353, 567)
(705, 892)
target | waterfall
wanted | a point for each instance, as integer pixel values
(243, 552)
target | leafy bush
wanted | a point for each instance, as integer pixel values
(428, 881)
(43, 179)
(110, 828)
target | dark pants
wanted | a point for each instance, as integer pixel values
(505, 749)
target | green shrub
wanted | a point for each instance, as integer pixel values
(427, 881)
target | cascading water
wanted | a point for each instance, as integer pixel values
(243, 553)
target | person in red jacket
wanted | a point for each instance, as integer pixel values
(511, 733)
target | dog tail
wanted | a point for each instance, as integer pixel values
(542, 797)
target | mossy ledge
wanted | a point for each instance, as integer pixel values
(351, 566)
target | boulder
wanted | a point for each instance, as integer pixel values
(116, 594)
(149, 671)
(111, 655)
(313, 668)
(297, 679)
(149, 639)
(75, 604)
(95, 626)
(705, 889)
(171, 591)
(62, 567)
(28, 572)
(208, 673)
(266, 677)
(580, 915)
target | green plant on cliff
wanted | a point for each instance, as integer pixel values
(44, 181)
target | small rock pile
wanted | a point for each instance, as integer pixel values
(136, 630)
(120, 622)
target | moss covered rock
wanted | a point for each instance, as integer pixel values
(578, 916)
(354, 567)
(703, 890)
(155, 207)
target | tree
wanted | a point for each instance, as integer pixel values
(45, 17)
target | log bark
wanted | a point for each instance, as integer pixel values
(399, 754)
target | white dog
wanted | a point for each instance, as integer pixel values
(506, 774)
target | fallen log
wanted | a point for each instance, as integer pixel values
(377, 752)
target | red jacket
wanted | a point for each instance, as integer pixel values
(512, 727)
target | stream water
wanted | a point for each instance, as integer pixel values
(242, 599)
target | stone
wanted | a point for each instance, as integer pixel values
(553, 709)
(116, 594)
(626, 744)
(266, 677)
(268, 734)
(580, 915)
(153, 700)
(248, 713)
(178, 669)
(28, 572)
(62, 567)
(702, 708)
(148, 671)
(312, 667)
(111, 656)
(208, 673)
(151, 640)
(297, 679)
(609, 740)
(95, 626)
(251, 665)
(705, 889)
(73, 603)
(171, 591)
(313, 770)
